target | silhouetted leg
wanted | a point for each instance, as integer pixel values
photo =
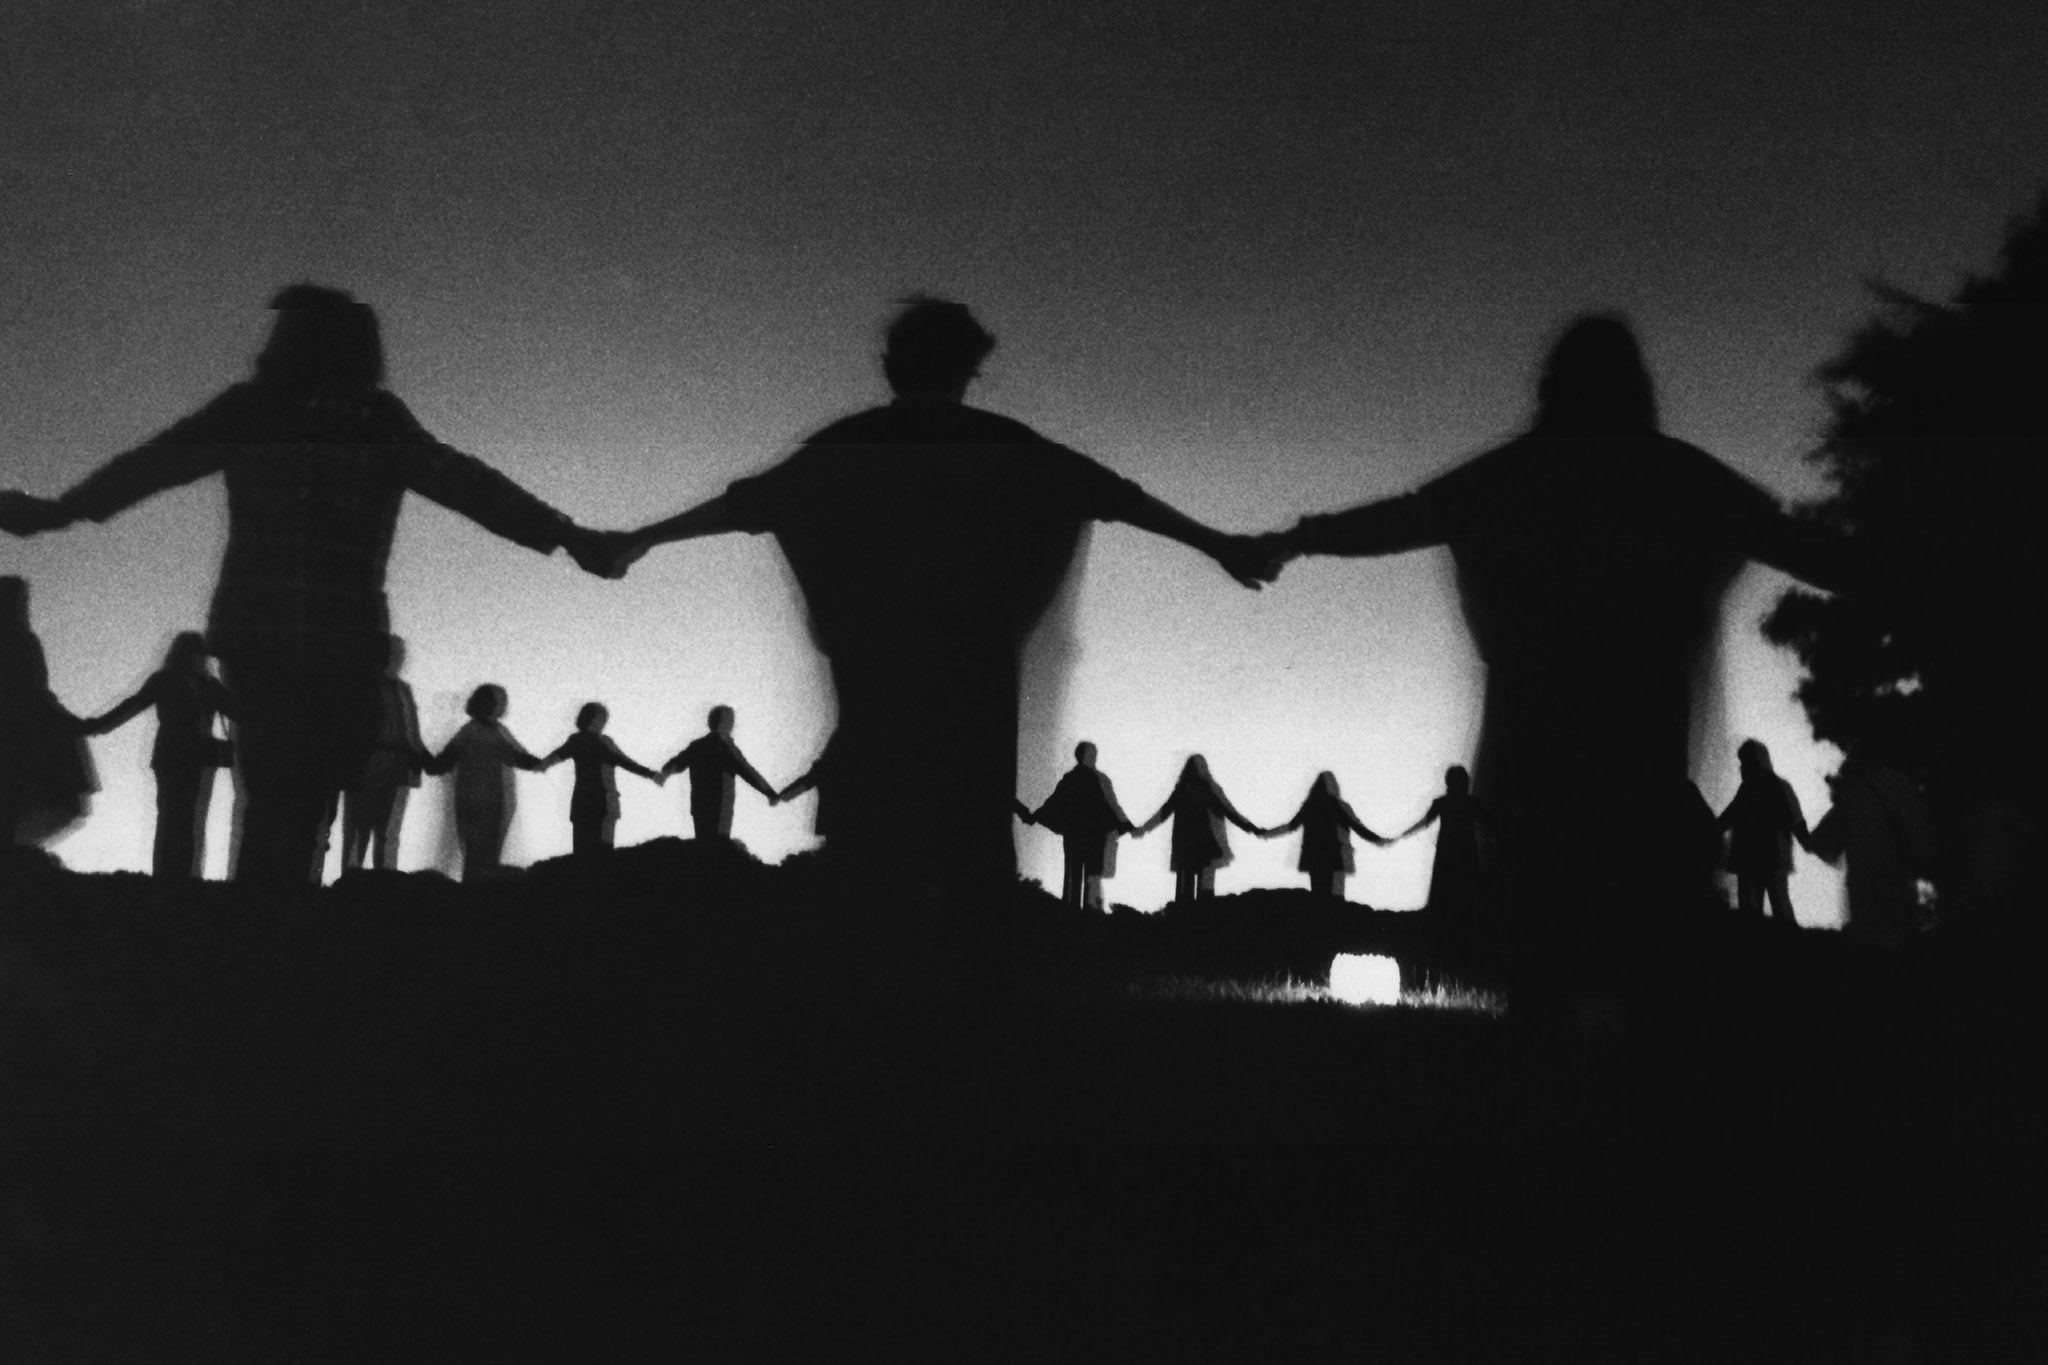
(305, 730)
(1074, 883)
(384, 841)
(1749, 894)
(591, 835)
(1205, 884)
(1781, 900)
(1091, 892)
(1184, 884)
(180, 822)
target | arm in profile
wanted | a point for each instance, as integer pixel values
(1411, 521)
(1357, 827)
(184, 453)
(744, 770)
(1248, 559)
(119, 714)
(619, 759)
(1429, 817)
(712, 517)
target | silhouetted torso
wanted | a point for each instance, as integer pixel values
(1083, 811)
(1591, 571)
(928, 539)
(1326, 823)
(1198, 809)
(713, 762)
(595, 759)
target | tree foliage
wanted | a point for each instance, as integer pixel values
(1934, 453)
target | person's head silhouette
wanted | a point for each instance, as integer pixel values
(720, 720)
(1594, 382)
(933, 350)
(1753, 759)
(1196, 769)
(187, 653)
(323, 339)
(1084, 754)
(1456, 780)
(1326, 786)
(592, 717)
(488, 702)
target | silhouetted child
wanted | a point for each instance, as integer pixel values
(186, 753)
(1454, 882)
(482, 756)
(1198, 809)
(712, 760)
(1880, 824)
(1327, 822)
(1762, 822)
(45, 772)
(594, 804)
(374, 807)
(1083, 811)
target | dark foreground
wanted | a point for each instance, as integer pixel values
(674, 1106)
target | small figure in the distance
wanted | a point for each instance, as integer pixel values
(594, 804)
(712, 760)
(482, 756)
(373, 809)
(1083, 811)
(1198, 808)
(1762, 822)
(186, 753)
(1327, 822)
(46, 775)
(1454, 879)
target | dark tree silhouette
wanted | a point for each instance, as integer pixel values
(1934, 453)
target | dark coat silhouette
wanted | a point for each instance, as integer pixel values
(484, 756)
(374, 808)
(317, 457)
(713, 761)
(594, 801)
(1592, 555)
(1083, 811)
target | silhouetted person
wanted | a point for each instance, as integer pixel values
(1763, 821)
(1327, 822)
(1879, 825)
(373, 809)
(928, 538)
(594, 803)
(713, 761)
(818, 778)
(1456, 889)
(483, 756)
(186, 753)
(1083, 811)
(317, 456)
(1592, 556)
(45, 773)
(1198, 808)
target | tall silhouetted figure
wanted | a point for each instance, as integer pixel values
(373, 809)
(1083, 811)
(928, 538)
(317, 456)
(45, 773)
(1763, 822)
(594, 802)
(1200, 844)
(1879, 824)
(1455, 885)
(186, 754)
(1327, 822)
(483, 756)
(713, 761)
(1592, 556)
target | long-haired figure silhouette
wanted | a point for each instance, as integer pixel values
(928, 538)
(1592, 555)
(1327, 822)
(317, 456)
(1455, 886)
(1200, 844)
(186, 754)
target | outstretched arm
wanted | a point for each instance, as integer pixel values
(619, 757)
(1389, 526)
(1231, 814)
(114, 717)
(1428, 818)
(711, 517)
(1358, 827)
(1022, 811)
(746, 773)
(187, 451)
(1245, 558)
(1157, 820)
